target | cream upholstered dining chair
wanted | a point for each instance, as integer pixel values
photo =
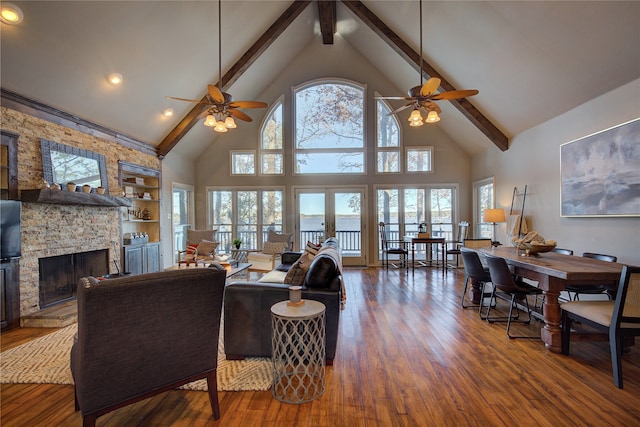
(619, 318)
(200, 247)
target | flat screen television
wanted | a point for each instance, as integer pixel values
(10, 229)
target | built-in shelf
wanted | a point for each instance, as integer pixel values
(61, 197)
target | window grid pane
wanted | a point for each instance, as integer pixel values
(419, 159)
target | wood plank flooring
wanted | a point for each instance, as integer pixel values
(408, 355)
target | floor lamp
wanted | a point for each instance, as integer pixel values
(493, 216)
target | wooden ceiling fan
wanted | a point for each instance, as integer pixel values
(222, 108)
(423, 96)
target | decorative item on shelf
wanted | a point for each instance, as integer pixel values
(295, 296)
(100, 190)
(135, 180)
(71, 186)
(55, 186)
(146, 215)
(129, 192)
(86, 188)
(44, 184)
(236, 243)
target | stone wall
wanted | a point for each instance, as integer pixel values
(51, 230)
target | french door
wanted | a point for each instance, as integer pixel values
(333, 212)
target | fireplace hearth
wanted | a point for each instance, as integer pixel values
(60, 274)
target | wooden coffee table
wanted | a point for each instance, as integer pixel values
(231, 271)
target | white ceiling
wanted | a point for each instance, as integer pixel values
(530, 60)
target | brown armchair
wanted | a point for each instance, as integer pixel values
(142, 335)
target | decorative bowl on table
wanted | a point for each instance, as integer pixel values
(536, 249)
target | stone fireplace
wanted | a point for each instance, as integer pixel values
(52, 230)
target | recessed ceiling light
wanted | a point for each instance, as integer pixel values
(10, 14)
(114, 79)
(168, 112)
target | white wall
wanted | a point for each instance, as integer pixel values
(533, 159)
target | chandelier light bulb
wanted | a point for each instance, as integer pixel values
(230, 123)
(432, 117)
(210, 121)
(220, 127)
(168, 112)
(416, 123)
(415, 116)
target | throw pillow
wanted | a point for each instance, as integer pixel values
(312, 247)
(298, 271)
(274, 247)
(192, 248)
(279, 237)
(207, 247)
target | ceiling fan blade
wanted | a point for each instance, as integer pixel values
(406, 98)
(455, 94)
(248, 104)
(215, 94)
(240, 115)
(404, 107)
(430, 86)
(198, 101)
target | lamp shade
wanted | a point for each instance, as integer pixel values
(494, 215)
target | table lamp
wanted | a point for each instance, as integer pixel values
(493, 216)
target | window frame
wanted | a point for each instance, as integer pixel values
(423, 148)
(396, 149)
(262, 152)
(232, 163)
(295, 152)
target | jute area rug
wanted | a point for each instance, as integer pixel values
(45, 360)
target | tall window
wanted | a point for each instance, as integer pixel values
(329, 128)
(271, 145)
(243, 162)
(483, 198)
(246, 214)
(419, 159)
(404, 209)
(181, 216)
(388, 139)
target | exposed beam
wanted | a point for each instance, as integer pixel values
(234, 73)
(413, 58)
(327, 14)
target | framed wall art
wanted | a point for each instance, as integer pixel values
(600, 173)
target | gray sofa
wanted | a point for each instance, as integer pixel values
(247, 307)
(145, 334)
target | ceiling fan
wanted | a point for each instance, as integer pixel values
(423, 96)
(222, 108)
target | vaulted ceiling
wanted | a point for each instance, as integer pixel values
(531, 61)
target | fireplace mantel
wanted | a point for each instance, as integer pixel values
(60, 197)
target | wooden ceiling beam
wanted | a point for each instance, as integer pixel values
(327, 14)
(412, 57)
(234, 73)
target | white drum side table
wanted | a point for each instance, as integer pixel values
(298, 348)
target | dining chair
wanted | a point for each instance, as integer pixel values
(591, 290)
(619, 318)
(476, 272)
(392, 247)
(453, 246)
(508, 288)
(563, 251)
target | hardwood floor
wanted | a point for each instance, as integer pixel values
(408, 355)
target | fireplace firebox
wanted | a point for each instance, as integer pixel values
(60, 274)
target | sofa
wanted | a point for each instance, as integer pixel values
(247, 305)
(144, 334)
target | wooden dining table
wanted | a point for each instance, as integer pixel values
(554, 271)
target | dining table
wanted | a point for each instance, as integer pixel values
(427, 241)
(553, 271)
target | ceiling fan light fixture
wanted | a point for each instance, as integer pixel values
(432, 117)
(415, 117)
(210, 121)
(220, 127)
(230, 123)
